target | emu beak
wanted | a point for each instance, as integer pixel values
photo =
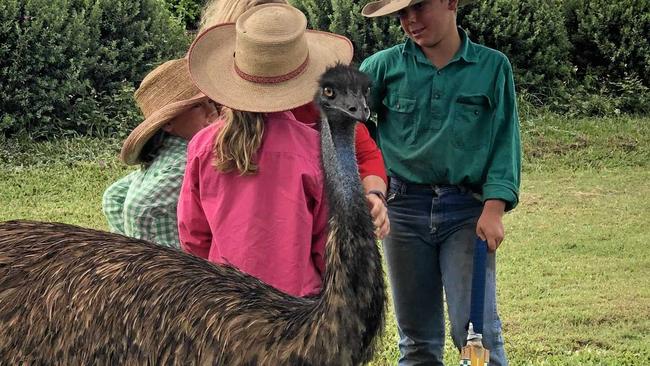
(355, 106)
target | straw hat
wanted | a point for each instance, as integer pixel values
(163, 94)
(266, 62)
(388, 7)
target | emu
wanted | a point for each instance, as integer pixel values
(72, 296)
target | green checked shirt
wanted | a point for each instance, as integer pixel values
(455, 125)
(143, 204)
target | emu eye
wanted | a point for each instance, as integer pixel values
(328, 92)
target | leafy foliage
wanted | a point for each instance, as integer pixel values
(610, 39)
(70, 66)
(186, 12)
(531, 33)
(344, 17)
(610, 51)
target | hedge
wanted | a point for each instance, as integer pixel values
(70, 66)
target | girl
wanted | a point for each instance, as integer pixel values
(143, 204)
(369, 158)
(253, 193)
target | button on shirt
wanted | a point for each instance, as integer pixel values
(142, 204)
(271, 225)
(454, 125)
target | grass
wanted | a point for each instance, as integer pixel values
(551, 142)
(572, 273)
(573, 282)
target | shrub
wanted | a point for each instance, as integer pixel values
(66, 64)
(599, 97)
(344, 17)
(186, 12)
(533, 36)
(44, 51)
(610, 51)
(610, 39)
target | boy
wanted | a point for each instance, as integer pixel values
(448, 128)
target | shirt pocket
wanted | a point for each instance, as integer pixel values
(472, 124)
(400, 115)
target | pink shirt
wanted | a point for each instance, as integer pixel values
(271, 225)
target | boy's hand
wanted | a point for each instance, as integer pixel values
(490, 225)
(375, 189)
(379, 213)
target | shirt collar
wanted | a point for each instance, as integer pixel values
(280, 115)
(174, 143)
(466, 51)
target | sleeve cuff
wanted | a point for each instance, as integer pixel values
(504, 192)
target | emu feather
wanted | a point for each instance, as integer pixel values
(71, 296)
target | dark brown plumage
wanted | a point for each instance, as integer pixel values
(73, 296)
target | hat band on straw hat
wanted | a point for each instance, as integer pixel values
(267, 61)
(272, 79)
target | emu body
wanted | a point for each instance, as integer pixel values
(70, 295)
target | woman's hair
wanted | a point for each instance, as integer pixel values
(227, 11)
(238, 141)
(150, 149)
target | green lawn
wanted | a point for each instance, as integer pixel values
(573, 272)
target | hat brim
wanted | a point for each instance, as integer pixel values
(211, 60)
(388, 7)
(133, 144)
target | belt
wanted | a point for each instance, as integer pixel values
(438, 189)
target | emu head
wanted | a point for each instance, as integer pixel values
(343, 94)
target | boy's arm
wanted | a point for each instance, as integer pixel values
(371, 163)
(501, 188)
(373, 179)
(504, 164)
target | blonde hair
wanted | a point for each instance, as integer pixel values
(227, 11)
(241, 134)
(238, 141)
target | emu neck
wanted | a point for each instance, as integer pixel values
(341, 170)
(353, 287)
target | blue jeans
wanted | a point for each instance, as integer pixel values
(430, 248)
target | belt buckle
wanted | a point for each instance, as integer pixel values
(434, 189)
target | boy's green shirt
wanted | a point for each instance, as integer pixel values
(455, 125)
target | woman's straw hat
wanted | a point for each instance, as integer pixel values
(388, 7)
(163, 94)
(266, 62)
